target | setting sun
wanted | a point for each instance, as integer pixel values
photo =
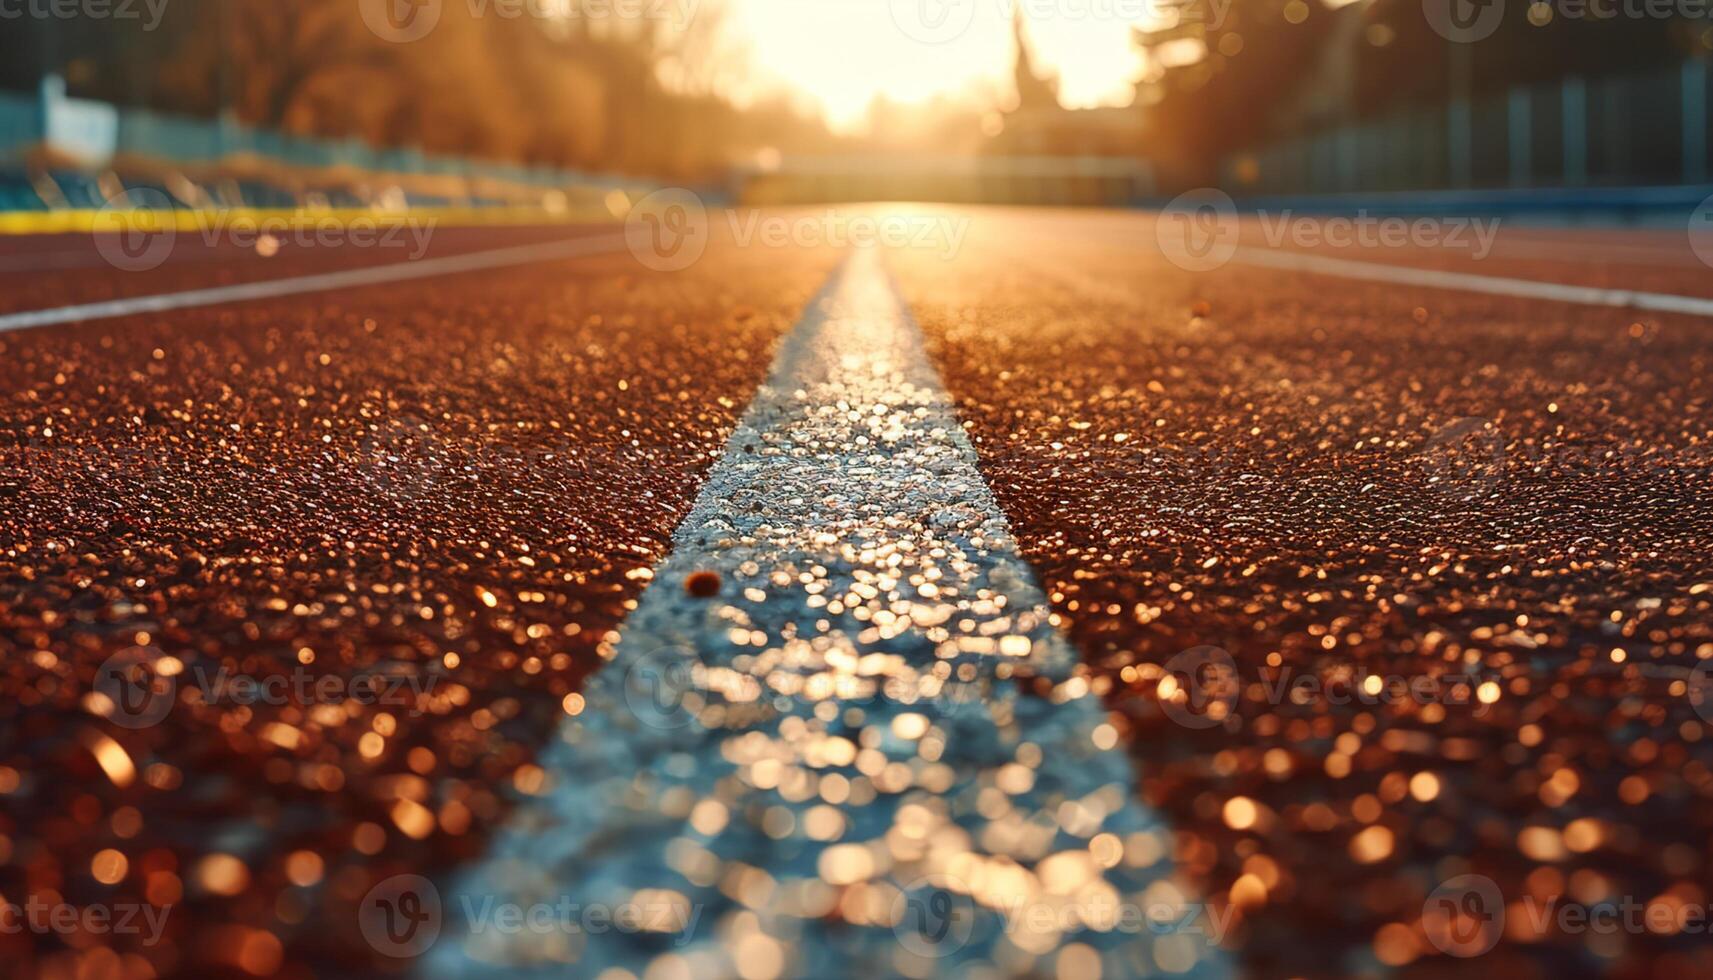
(842, 55)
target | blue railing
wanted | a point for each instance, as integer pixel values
(100, 135)
(1641, 129)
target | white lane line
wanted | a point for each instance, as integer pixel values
(1469, 282)
(839, 765)
(1615, 254)
(319, 282)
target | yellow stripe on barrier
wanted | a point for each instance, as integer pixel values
(89, 220)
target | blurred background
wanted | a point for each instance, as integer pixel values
(1024, 101)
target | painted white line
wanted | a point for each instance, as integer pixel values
(318, 282)
(1614, 254)
(1626, 299)
(870, 754)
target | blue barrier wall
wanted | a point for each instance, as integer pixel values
(1648, 128)
(20, 122)
(95, 133)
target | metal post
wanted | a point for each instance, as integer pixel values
(1458, 142)
(224, 116)
(1694, 121)
(1615, 126)
(1348, 150)
(1398, 159)
(1575, 131)
(1326, 158)
(1521, 137)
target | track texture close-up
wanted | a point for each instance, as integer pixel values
(409, 515)
(1365, 626)
(1345, 487)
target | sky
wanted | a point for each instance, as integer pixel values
(842, 54)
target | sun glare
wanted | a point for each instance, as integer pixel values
(842, 55)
